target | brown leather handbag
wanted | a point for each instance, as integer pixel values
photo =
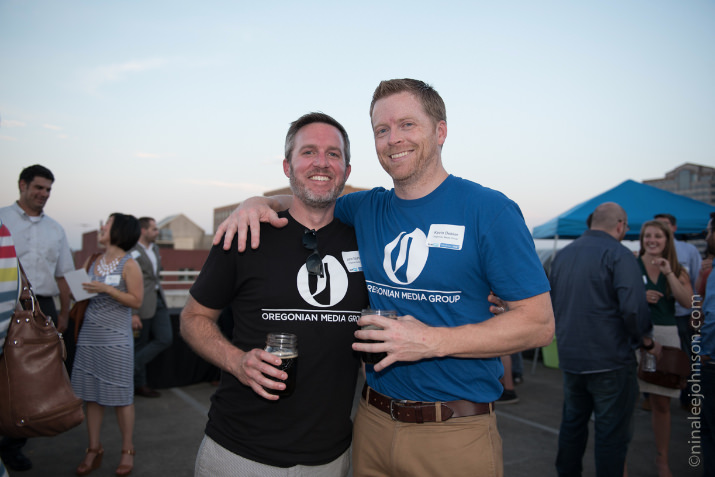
(672, 368)
(36, 397)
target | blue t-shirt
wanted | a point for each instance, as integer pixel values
(437, 258)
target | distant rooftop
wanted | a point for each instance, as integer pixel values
(691, 180)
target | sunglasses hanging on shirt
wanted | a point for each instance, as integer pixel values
(313, 263)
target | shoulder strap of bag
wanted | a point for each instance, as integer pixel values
(28, 300)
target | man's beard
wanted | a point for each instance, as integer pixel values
(311, 199)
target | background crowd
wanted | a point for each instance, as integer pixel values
(101, 362)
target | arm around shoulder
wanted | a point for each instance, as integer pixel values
(249, 215)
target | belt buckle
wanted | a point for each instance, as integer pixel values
(393, 401)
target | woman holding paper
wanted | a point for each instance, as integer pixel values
(104, 364)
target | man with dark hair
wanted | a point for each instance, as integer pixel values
(601, 317)
(44, 252)
(29, 173)
(152, 318)
(437, 245)
(306, 280)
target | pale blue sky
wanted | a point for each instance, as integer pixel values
(164, 107)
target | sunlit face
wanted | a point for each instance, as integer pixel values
(105, 231)
(317, 169)
(653, 241)
(151, 232)
(33, 196)
(407, 140)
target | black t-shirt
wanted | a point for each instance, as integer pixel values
(270, 290)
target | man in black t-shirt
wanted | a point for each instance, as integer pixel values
(306, 278)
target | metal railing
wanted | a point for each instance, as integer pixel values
(176, 290)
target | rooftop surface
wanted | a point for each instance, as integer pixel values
(169, 429)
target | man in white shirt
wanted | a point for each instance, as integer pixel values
(44, 252)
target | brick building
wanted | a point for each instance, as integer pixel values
(691, 180)
(183, 246)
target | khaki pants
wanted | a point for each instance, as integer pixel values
(465, 446)
(215, 461)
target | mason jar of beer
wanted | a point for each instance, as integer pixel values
(285, 346)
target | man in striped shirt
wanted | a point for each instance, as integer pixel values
(9, 290)
(9, 281)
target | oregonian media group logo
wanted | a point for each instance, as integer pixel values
(411, 257)
(331, 287)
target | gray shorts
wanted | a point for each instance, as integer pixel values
(216, 461)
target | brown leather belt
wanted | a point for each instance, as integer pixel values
(419, 412)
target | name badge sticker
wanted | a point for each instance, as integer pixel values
(352, 261)
(446, 236)
(135, 254)
(112, 280)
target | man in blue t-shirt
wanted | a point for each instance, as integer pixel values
(432, 248)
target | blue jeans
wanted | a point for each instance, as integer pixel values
(159, 329)
(611, 396)
(708, 418)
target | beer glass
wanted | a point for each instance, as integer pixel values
(374, 358)
(285, 346)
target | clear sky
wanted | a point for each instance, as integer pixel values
(164, 107)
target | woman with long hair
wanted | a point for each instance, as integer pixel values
(104, 363)
(666, 282)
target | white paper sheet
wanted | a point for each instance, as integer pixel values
(75, 279)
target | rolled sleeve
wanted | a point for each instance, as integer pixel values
(65, 262)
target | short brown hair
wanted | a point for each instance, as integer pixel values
(311, 118)
(431, 100)
(144, 222)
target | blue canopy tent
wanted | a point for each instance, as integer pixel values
(641, 202)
